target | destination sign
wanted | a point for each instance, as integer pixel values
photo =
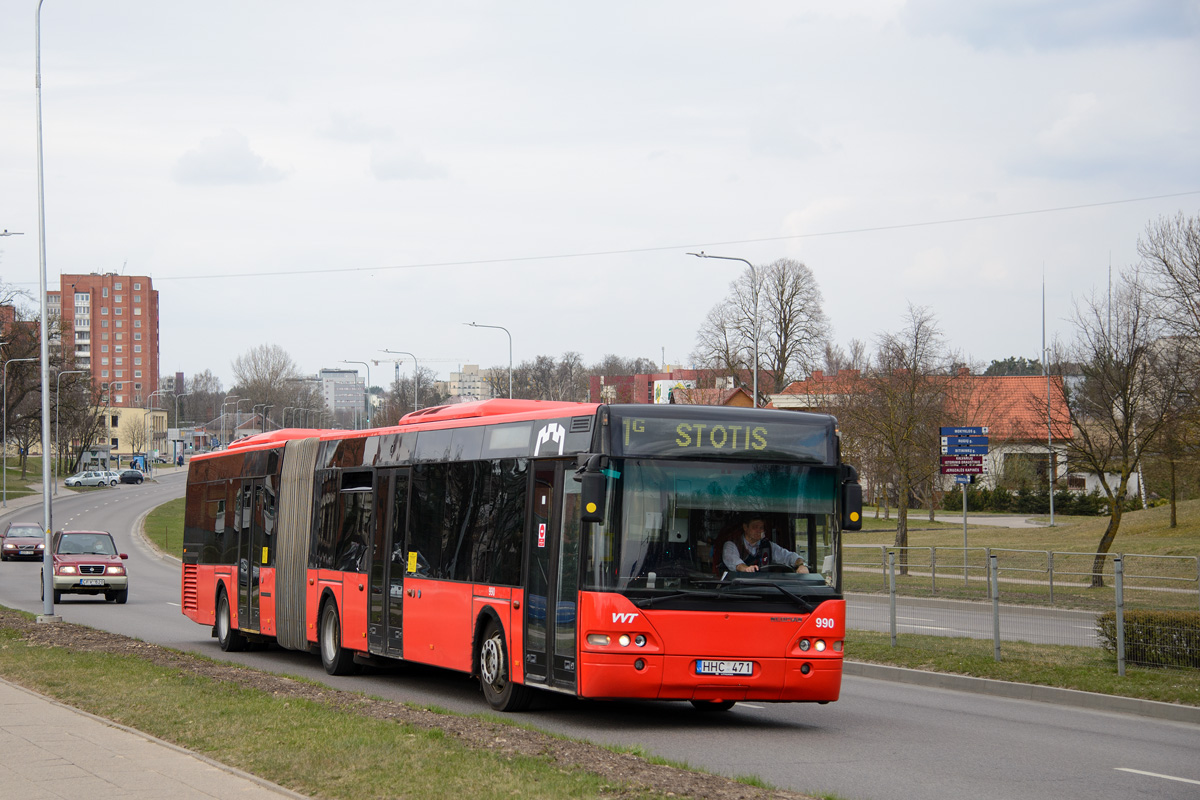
(967, 431)
(689, 433)
(962, 459)
(965, 469)
(965, 451)
(964, 441)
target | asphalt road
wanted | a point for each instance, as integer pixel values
(881, 740)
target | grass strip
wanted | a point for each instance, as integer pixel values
(164, 527)
(1088, 669)
(311, 747)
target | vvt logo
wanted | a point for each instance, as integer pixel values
(551, 433)
(626, 617)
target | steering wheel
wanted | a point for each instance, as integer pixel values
(776, 568)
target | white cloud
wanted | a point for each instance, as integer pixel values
(224, 160)
(401, 163)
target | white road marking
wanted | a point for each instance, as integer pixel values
(751, 705)
(172, 604)
(1156, 775)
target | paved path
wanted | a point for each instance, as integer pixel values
(53, 751)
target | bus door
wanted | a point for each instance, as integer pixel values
(551, 584)
(388, 564)
(252, 550)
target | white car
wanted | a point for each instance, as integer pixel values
(96, 478)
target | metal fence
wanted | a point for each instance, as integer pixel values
(1145, 608)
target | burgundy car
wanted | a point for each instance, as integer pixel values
(87, 562)
(22, 540)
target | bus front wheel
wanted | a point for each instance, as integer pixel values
(230, 640)
(336, 659)
(501, 693)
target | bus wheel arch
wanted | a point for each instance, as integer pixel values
(494, 663)
(336, 659)
(228, 637)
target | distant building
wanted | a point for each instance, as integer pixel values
(652, 387)
(110, 328)
(342, 390)
(468, 384)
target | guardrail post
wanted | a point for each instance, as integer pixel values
(994, 573)
(883, 563)
(1119, 580)
(1050, 566)
(933, 569)
(892, 592)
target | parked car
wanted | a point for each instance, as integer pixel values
(114, 477)
(132, 476)
(21, 540)
(94, 478)
(87, 562)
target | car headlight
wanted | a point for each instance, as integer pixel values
(8, 546)
(67, 570)
(115, 570)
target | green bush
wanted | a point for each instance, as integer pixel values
(1155, 638)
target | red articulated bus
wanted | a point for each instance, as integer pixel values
(567, 547)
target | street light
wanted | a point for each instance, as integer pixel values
(57, 405)
(177, 425)
(416, 393)
(4, 500)
(500, 327)
(366, 389)
(237, 414)
(754, 285)
(148, 427)
(224, 403)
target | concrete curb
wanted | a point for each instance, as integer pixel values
(1026, 691)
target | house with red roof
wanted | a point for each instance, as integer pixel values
(1014, 409)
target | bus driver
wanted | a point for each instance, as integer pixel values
(750, 551)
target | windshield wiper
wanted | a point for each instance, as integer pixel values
(644, 602)
(804, 605)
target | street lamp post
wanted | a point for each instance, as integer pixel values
(149, 428)
(500, 327)
(178, 426)
(224, 403)
(366, 389)
(754, 286)
(57, 405)
(416, 392)
(237, 413)
(4, 500)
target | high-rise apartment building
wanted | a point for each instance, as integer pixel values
(110, 326)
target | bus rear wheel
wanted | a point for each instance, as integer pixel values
(230, 640)
(501, 693)
(336, 659)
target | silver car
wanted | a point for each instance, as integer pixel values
(96, 478)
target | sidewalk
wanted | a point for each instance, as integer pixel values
(54, 751)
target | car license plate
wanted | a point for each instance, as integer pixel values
(91, 581)
(713, 667)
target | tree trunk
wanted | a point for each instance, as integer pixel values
(1106, 541)
(1174, 520)
(902, 523)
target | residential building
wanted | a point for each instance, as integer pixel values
(110, 327)
(343, 391)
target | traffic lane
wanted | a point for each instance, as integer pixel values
(153, 580)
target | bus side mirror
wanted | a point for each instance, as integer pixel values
(851, 507)
(592, 491)
(592, 497)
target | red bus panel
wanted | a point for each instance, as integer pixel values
(438, 625)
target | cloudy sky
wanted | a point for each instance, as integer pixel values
(341, 179)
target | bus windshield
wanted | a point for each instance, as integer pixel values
(668, 521)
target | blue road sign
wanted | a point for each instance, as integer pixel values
(964, 478)
(965, 451)
(969, 431)
(965, 441)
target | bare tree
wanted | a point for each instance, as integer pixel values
(899, 409)
(1170, 251)
(133, 434)
(784, 300)
(1131, 379)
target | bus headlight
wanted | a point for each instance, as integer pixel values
(598, 639)
(624, 640)
(820, 645)
(805, 644)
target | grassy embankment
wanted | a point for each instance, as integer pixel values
(1083, 668)
(310, 747)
